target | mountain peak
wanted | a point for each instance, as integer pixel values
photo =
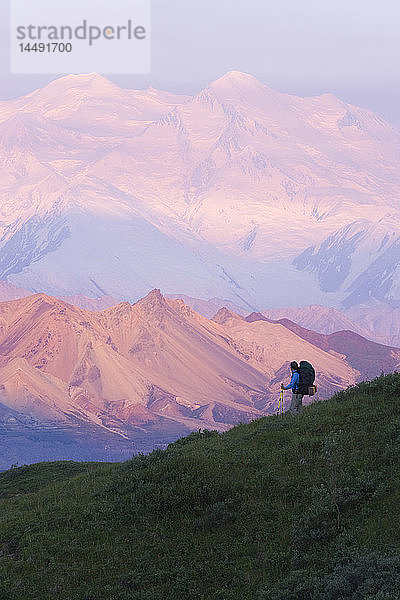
(83, 79)
(224, 315)
(44, 302)
(92, 83)
(238, 78)
(153, 302)
(236, 81)
(238, 87)
(87, 79)
(42, 297)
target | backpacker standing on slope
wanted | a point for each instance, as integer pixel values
(297, 398)
(301, 383)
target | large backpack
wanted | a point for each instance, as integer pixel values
(306, 379)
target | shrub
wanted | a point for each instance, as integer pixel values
(360, 576)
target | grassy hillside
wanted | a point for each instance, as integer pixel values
(284, 508)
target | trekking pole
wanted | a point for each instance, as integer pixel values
(280, 403)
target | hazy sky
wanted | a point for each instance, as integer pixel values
(347, 47)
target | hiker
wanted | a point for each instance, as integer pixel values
(297, 398)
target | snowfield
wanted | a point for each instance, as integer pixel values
(240, 192)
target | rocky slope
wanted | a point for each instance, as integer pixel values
(150, 371)
(369, 358)
(136, 365)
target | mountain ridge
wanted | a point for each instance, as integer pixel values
(151, 369)
(146, 373)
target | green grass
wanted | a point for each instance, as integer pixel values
(32, 478)
(283, 508)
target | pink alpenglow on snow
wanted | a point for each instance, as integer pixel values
(261, 198)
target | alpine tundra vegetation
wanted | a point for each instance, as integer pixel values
(282, 508)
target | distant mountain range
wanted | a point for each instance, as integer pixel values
(378, 323)
(12, 292)
(133, 376)
(240, 192)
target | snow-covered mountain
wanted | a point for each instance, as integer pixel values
(381, 320)
(239, 192)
